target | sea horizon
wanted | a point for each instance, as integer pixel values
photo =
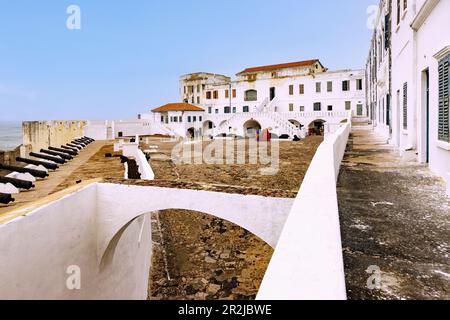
(10, 135)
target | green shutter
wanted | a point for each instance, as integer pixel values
(443, 99)
(405, 106)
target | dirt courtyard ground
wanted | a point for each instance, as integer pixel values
(197, 256)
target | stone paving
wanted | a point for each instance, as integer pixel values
(395, 223)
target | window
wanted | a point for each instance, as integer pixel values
(245, 109)
(291, 90)
(274, 74)
(227, 110)
(359, 84)
(198, 88)
(291, 107)
(234, 110)
(330, 108)
(192, 99)
(251, 77)
(184, 89)
(444, 83)
(227, 94)
(346, 85)
(302, 108)
(217, 111)
(180, 119)
(216, 94)
(162, 118)
(208, 95)
(194, 119)
(200, 118)
(405, 106)
(251, 95)
(210, 125)
(234, 93)
(330, 86)
(348, 105)
(317, 106)
(198, 100)
(302, 89)
(209, 110)
(318, 87)
(189, 119)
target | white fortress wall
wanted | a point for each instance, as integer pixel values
(308, 263)
(105, 231)
(42, 134)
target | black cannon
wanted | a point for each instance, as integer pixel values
(22, 184)
(33, 172)
(46, 165)
(66, 151)
(58, 154)
(82, 145)
(49, 158)
(6, 198)
(83, 140)
(73, 146)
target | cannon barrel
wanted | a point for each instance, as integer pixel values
(46, 165)
(73, 149)
(59, 154)
(6, 198)
(49, 158)
(22, 184)
(66, 151)
(33, 172)
(70, 145)
(82, 145)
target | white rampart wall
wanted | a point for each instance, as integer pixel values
(308, 262)
(105, 230)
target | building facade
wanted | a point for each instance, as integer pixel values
(420, 55)
(292, 99)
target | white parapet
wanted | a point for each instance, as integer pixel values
(307, 263)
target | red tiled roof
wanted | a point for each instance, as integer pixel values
(178, 107)
(280, 66)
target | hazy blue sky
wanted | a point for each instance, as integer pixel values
(128, 55)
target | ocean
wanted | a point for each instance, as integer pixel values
(10, 135)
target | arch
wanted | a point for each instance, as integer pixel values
(120, 205)
(250, 127)
(316, 127)
(190, 133)
(109, 253)
(296, 123)
(208, 127)
(251, 95)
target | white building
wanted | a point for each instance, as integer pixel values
(420, 43)
(378, 72)
(289, 99)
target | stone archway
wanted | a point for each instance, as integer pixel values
(190, 133)
(250, 128)
(317, 127)
(208, 128)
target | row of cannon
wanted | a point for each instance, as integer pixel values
(23, 178)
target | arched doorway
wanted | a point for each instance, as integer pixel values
(251, 127)
(317, 127)
(191, 133)
(208, 128)
(296, 123)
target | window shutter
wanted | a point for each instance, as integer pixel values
(405, 106)
(444, 84)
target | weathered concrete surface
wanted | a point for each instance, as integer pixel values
(394, 215)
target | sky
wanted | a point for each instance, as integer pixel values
(127, 56)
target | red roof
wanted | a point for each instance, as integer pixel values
(280, 66)
(178, 107)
